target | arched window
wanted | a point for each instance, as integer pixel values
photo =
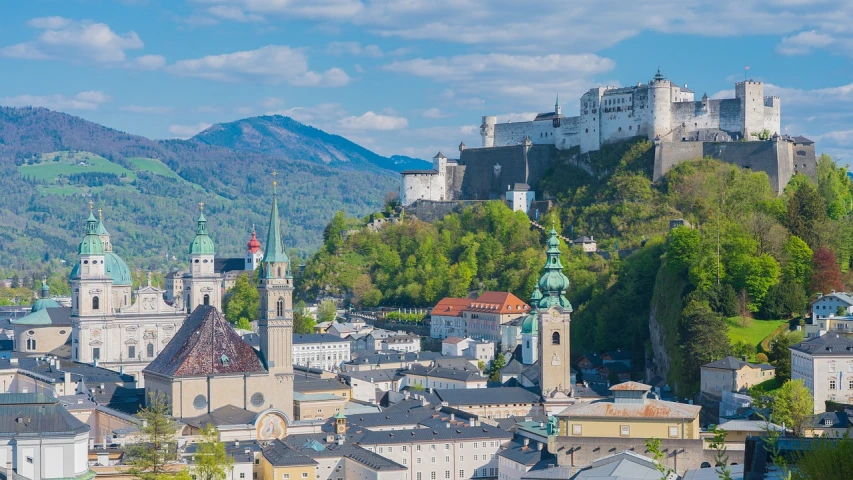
(206, 299)
(279, 307)
(279, 272)
(555, 338)
(96, 303)
(150, 351)
(528, 344)
(31, 344)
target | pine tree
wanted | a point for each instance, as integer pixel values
(158, 447)
(210, 460)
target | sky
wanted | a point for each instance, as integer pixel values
(413, 77)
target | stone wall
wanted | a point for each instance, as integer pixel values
(680, 454)
(488, 171)
(431, 210)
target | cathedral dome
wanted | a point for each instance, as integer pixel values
(91, 244)
(202, 243)
(43, 303)
(117, 269)
(554, 281)
(530, 325)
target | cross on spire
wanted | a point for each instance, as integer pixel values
(274, 183)
(101, 213)
(91, 205)
(201, 206)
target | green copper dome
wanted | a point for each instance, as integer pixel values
(45, 301)
(530, 325)
(201, 244)
(554, 283)
(91, 244)
(115, 267)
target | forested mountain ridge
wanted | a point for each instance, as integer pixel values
(744, 251)
(152, 214)
(284, 136)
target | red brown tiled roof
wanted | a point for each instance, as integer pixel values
(206, 344)
(498, 302)
(451, 307)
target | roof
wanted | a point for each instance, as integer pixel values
(407, 338)
(583, 239)
(843, 296)
(450, 306)
(802, 139)
(498, 302)
(732, 363)
(419, 172)
(650, 408)
(317, 397)
(461, 374)
(304, 384)
(835, 419)
(625, 465)
(36, 415)
(226, 415)
(454, 340)
(710, 473)
(314, 446)
(615, 367)
(548, 473)
(415, 435)
(749, 426)
(630, 386)
(617, 355)
(223, 265)
(305, 338)
(206, 344)
(490, 396)
(828, 344)
(275, 247)
(47, 316)
(520, 187)
(279, 455)
(380, 375)
(528, 455)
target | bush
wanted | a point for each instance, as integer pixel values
(761, 358)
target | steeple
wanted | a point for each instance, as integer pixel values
(103, 233)
(202, 243)
(659, 76)
(557, 109)
(275, 248)
(554, 283)
(91, 244)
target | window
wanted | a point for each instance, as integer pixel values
(242, 475)
(624, 430)
(461, 473)
(447, 446)
(418, 448)
(461, 458)
(432, 475)
(405, 448)
(286, 476)
(476, 458)
(150, 350)
(483, 472)
(577, 429)
(447, 474)
(404, 461)
(418, 460)
(279, 307)
(96, 303)
(832, 384)
(304, 474)
(831, 368)
(673, 432)
(131, 351)
(96, 353)
(31, 344)
(432, 447)
(432, 460)
(484, 444)
(206, 299)
(419, 477)
(390, 449)
(555, 338)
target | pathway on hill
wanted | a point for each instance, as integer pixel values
(540, 227)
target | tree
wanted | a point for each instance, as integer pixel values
(158, 445)
(682, 249)
(793, 406)
(798, 264)
(784, 299)
(302, 322)
(704, 338)
(780, 355)
(653, 447)
(243, 301)
(761, 358)
(806, 210)
(495, 371)
(327, 311)
(210, 460)
(826, 276)
(824, 458)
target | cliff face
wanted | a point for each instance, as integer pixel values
(664, 324)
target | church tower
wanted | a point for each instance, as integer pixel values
(554, 319)
(254, 254)
(275, 285)
(530, 331)
(202, 283)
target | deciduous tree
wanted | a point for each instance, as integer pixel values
(210, 460)
(826, 276)
(793, 406)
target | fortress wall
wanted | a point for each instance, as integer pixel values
(618, 126)
(507, 134)
(431, 211)
(773, 158)
(772, 119)
(453, 179)
(414, 187)
(805, 160)
(481, 180)
(568, 135)
(730, 116)
(689, 117)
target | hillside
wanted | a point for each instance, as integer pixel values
(282, 136)
(52, 164)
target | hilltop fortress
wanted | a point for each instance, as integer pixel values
(744, 130)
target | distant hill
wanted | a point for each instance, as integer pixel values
(283, 136)
(52, 164)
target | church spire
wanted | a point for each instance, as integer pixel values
(553, 284)
(275, 248)
(202, 244)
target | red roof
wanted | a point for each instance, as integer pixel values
(451, 307)
(498, 302)
(254, 244)
(453, 340)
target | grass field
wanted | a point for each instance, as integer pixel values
(753, 334)
(154, 166)
(47, 169)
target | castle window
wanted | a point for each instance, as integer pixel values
(206, 299)
(630, 127)
(279, 307)
(150, 350)
(85, 262)
(528, 344)
(555, 338)
(279, 272)
(96, 303)
(587, 131)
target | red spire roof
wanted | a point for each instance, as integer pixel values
(254, 244)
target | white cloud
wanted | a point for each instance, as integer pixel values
(273, 64)
(355, 48)
(462, 67)
(804, 42)
(233, 13)
(433, 113)
(88, 100)
(149, 62)
(187, 131)
(307, 9)
(73, 40)
(150, 110)
(373, 121)
(312, 115)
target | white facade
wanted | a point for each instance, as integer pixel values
(402, 343)
(454, 459)
(658, 109)
(426, 184)
(455, 347)
(484, 351)
(827, 374)
(827, 305)
(520, 199)
(321, 351)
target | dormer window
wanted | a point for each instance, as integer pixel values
(225, 360)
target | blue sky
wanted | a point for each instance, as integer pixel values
(414, 76)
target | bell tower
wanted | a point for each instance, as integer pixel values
(202, 285)
(554, 321)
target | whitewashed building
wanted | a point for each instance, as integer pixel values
(320, 350)
(825, 365)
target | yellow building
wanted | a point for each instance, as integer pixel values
(280, 462)
(630, 414)
(317, 406)
(732, 375)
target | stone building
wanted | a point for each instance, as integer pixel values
(825, 365)
(732, 375)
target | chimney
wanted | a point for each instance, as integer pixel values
(10, 473)
(539, 446)
(526, 441)
(743, 358)
(452, 417)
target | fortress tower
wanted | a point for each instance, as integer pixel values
(751, 97)
(659, 116)
(487, 131)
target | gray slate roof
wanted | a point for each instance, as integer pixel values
(280, 455)
(307, 338)
(828, 344)
(226, 415)
(528, 455)
(433, 434)
(304, 384)
(36, 415)
(348, 450)
(465, 374)
(732, 363)
(486, 396)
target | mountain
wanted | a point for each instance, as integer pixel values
(52, 164)
(285, 137)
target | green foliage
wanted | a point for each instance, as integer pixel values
(149, 458)
(780, 355)
(825, 458)
(302, 321)
(327, 311)
(400, 317)
(834, 187)
(761, 358)
(721, 457)
(703, 338)
(242, 302)
(798, 260)
(682, 248)
(495, 370)
(806, 212)
(210, 460)
(784, 299)
(793, 406)
(653, 447)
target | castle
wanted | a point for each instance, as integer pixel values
(744, 130)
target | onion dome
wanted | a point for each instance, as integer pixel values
(91, 244)
(554, 283)
(201, 244)
(45, 301)
(117, 269)
(530, 324)
(254, 244)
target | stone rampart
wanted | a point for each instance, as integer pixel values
(431, 210)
